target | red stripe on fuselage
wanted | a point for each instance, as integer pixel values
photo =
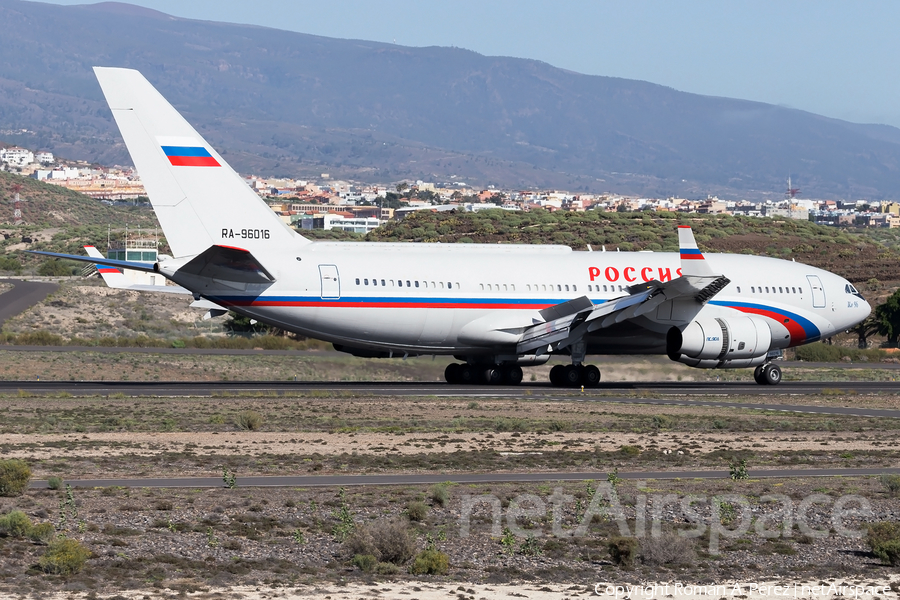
(796, 331)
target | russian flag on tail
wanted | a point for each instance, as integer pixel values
(190, 156)
(692, 260)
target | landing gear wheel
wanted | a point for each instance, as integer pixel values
(513, 375)
(556, 375)
(493, 375)
(467, 374)
(572, 375)
(758, 375)
(590, 377)
(451, 373)
(772, 374)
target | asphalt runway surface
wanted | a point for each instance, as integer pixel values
(461, 478)
(22, 296)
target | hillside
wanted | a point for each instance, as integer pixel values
(857, 255)
(284, 103)
(59, 220)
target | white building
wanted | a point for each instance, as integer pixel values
(44, 157)
(16, 157)
(355, 224)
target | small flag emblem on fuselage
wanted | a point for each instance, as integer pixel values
(190, 156)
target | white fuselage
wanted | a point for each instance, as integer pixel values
(420, 298)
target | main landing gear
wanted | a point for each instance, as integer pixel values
(575, 376)
(769, 374)
(480, 374)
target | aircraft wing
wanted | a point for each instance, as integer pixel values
(567, 323)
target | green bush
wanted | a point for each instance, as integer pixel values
(884, 540)
(365, 562)
(386, 568)
(15, 524)
(891, 482)
(249, 420)
(440, 494)
(64, 557)
(42, 533)
(14, 477)
(430, 562)
(623, 550)
(416, 510)
(54, 483)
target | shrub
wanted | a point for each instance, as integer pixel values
(14, 477)
(394, 540)
(42, 533)
(365, 562)
(891, 482)
(430, 562)
(416, 511)
(440, 494)
(64, 557)
(667, 549)
(385, 568)
(54, 483)
(884, 540)
(361, 542)
(249, 420)
(15, 524)
(623, 550)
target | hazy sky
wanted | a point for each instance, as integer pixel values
(833, 58)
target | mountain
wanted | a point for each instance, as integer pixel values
(282, 103)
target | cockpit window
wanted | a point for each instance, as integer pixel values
(851, 289)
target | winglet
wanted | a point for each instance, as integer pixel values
(692, 261)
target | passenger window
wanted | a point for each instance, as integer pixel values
(794, 290)
(512, 287)
(408, 284)
(558, 287)
(374, 282)
(780, 291)
(366, 281)
(357, 281)
(382, 282)
(767, 289)
(739, 289)
(574, 288)
(482, 286)
(449, 285)
(567, 287)
(417, 284)
(504, 288)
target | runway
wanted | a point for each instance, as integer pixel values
(658, 393)
(460, 478)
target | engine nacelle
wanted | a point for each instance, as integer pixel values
(740, 363)
(720, 340)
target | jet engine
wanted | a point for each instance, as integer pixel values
(721, 343)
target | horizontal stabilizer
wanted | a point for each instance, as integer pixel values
(227, 263)
(122, 264)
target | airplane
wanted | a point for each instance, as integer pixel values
(495, 308)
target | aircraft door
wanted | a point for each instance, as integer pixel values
(818, 291)
(331, 283)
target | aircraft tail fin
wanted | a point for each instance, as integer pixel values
(199, 200)
(692, 261)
